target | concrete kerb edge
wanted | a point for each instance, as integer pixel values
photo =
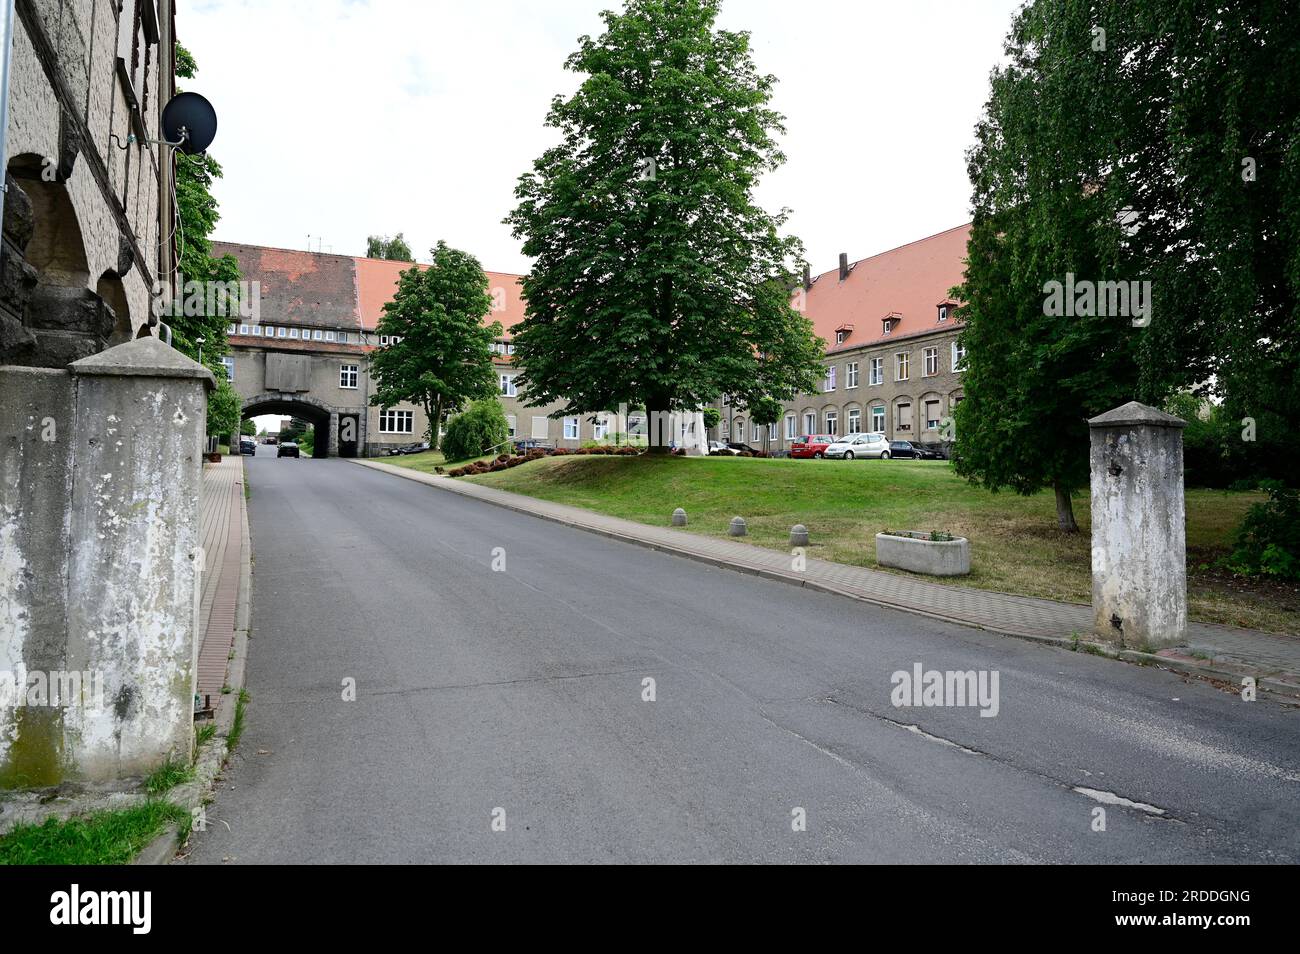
(211, 758)
(1287, 692)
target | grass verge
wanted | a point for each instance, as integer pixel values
(426, 462)
(103, 838)
(1015, 546)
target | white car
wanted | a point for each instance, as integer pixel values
(853, 446)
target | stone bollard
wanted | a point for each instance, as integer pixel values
(1139, 552)
(679, 517)
(798, 535)
(737, 528)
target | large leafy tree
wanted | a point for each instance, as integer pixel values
(657, 281)
(443, 356)
(1113, 147)
(393, 248)
(198, 214)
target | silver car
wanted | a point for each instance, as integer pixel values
(857, 446)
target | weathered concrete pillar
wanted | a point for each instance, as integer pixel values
(100, 484)
(333, 446)
(1139, 548)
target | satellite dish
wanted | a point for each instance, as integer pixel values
(190, 122)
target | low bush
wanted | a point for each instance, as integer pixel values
(1268, 540)
(475, 431)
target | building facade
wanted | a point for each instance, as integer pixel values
(84, 248)
(893, 360)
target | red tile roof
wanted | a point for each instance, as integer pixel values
(908, 282)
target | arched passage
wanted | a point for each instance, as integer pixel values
(305, 409)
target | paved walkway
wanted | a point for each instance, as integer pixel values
(225, 538)
(1220, 650)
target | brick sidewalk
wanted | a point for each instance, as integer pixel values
(1219, 649)
(223, 535)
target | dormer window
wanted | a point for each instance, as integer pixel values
(943, 312)
(842, 333)
(887, 325)
(839, 337)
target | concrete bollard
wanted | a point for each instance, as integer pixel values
(1139, 546)
(679, 517)
(798, 535)
(737, 528)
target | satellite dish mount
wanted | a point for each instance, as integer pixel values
(189, 123)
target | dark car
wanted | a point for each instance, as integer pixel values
(524, 445)
(247, 445)
(742, 448)
(287, 449)
(418, 447)
(914, 451)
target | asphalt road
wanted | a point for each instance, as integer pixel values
(516, 694)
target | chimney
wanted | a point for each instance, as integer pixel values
(844, 265)
(807, 277)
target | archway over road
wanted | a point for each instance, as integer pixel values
(303, 408)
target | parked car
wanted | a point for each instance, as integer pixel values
(740, 447)
(247, 445)
(271, 440)
(525, 444)
(287, 449)
(914, 451)
(720, 449)
(857, 446)
(811, 445)
(418, 447)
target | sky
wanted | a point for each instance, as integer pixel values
(338, 119)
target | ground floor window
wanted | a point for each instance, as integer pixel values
(789, 427)
(541, 428)
(512, 423)
(932, 415)
(903, 417)
(726, 429)
(600, 430)
(810, 423)
(396, 422)
(229, 364)
(570, 428)
(832, 423)
(878, 420)
(855, 419)
(754, 426)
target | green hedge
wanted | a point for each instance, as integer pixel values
(479, 429)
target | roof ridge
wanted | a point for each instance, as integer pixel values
(896, 248)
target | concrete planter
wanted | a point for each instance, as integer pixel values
(914, 550)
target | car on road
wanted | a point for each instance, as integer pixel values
(811, 445)
(858, 446)
(247, 445)
(287, 449)
(915, 451)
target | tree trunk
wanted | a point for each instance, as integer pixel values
(658, 428)
(435, 422)
(1064, 509)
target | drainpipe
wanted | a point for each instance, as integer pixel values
(6, 57)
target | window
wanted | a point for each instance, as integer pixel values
(282, 332)
(508, 385)
(600, 429)
(726, 429)
(229, 364)
(293, 332)
(383, 341)
(317, 335)
(510, 349)
(347, 375)
(243, 329)
(851, 372)
(810, 423)
(931, 362)
(932, 415)
(396, 422)
(900, 365)
(329, 336)
(877, 371)
(829, 383)
(541, 428)
(771, 432)
(512, 426)
(570, 428)
(958, 357)
(343, 336)
(903, 415)
(878, 420)
(832, 423)
(839, 337)
(230, 329)
(257, 331)
(855, 419)
(887, 325)
(789, 427)
(943, 312)
(740, 428)
(754, 431)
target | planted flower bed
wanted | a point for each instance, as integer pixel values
(934, 553)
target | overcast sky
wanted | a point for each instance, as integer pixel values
(342, 118)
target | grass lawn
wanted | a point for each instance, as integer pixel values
(104, 838)
(1015, 546)
(427, 461)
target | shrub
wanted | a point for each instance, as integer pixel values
(1268, 540)
(476, 431)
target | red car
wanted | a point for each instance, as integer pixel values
(810, 445)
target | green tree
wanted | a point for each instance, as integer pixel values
(393, 248)
(443, 354)
(481, 428)
(765, 411)
(224, 407)
(712, 418)
(1130, 140)
(248, 428)
(197, 216)
(657, 281)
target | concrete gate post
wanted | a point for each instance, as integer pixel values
(100, 490)
(333, 445)
(1139, 547)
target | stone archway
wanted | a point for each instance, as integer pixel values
(323, 418)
